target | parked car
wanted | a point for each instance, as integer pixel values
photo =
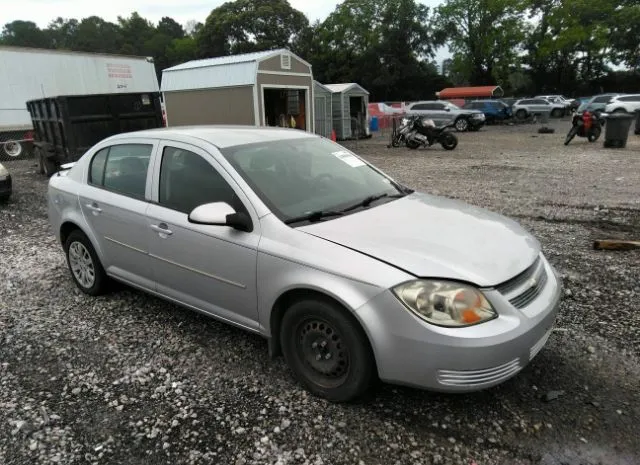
(443, 112)
(560, 107)
(5, 183)
(623, 104)
(286, 234)
(509, 101)
(494, 110)
(526, 107)
(596, 104)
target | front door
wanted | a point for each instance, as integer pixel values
(211, 268)
(114, 204)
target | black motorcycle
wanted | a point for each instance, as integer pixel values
(424, 133)
(399, 135)
(586, 125)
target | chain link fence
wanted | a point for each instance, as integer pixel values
(16, 145)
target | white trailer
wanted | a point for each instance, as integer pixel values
(28, 73)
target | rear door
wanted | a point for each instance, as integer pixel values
(114, 202)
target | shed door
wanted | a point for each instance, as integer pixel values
(321, 115)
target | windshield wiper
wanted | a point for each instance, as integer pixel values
(369, 200)
(313, 216)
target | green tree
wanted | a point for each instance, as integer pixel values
(182, 50)
(62, 33)
(94, 34)
(244, 26)
(136, 32)
(24, 34)
(486, 34)
(170, 27)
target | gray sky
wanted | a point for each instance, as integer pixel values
(43, 11)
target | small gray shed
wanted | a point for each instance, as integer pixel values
(270, 88)
(322, 108)
(350, 110)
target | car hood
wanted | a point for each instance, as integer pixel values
(435, 237)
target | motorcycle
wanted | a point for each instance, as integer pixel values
(587, 125)
(425, 133)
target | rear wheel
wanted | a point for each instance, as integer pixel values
(327, 350)
(448, 141)
(462, 125)
(594, 134)
(84, 264)
(12, 148)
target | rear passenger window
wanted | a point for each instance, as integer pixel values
(96, 173)
(187, 181)
(125, 169)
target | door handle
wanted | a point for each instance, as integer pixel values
(94, 208)
(162, 228)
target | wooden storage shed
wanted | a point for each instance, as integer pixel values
(270, 88)
(350, 103)
(323, 109)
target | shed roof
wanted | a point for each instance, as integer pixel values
(466, 92)
(225, 71)
(345, 87)
(322, 86)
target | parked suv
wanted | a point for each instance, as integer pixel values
(623, 103)
(597, 103)
(529, 106)
(494, 110)
(441, 112)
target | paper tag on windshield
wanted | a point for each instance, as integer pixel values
(348, 158)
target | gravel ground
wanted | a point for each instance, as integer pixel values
(130, 379)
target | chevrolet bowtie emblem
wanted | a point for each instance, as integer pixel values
(533, 282)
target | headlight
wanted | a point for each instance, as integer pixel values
(445, 303)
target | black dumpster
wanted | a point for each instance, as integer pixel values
(67, 126)
(617, 130)
(637, 131)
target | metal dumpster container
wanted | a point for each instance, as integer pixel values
(67, 126)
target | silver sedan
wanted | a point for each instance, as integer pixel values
(349, 274)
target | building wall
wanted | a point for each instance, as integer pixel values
(227, 105)
(273, 64)
(324, 119)
(284, 81)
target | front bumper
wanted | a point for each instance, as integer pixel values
(412, 352)
(477, 123)
(5, 187)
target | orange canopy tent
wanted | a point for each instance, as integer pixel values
(470, 92)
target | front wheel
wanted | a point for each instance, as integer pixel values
(462, 124)
(448, 141)
(327, 350)
(521, 114)
(572, 133)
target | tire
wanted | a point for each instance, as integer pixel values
(81, 259)
(12, 148)
(342, 369)
(521, 114)
(448, 141)
(572, 133)
(594, 134)
(395, 141)
(49, 167)
(412, 144)
(462, 124)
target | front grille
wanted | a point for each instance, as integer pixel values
(478, 378)
(519, 280)
(526, 286)
(530, 294)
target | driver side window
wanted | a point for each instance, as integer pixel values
(187, 181)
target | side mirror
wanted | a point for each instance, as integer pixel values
(220, 214)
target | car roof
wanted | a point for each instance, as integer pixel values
(222, 136)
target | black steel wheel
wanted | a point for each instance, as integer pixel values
(327, 350)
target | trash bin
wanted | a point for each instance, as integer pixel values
(637, 131)
(617, 130)
(374, 124)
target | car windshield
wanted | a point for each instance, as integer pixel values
(309, 175)
(453, 106)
